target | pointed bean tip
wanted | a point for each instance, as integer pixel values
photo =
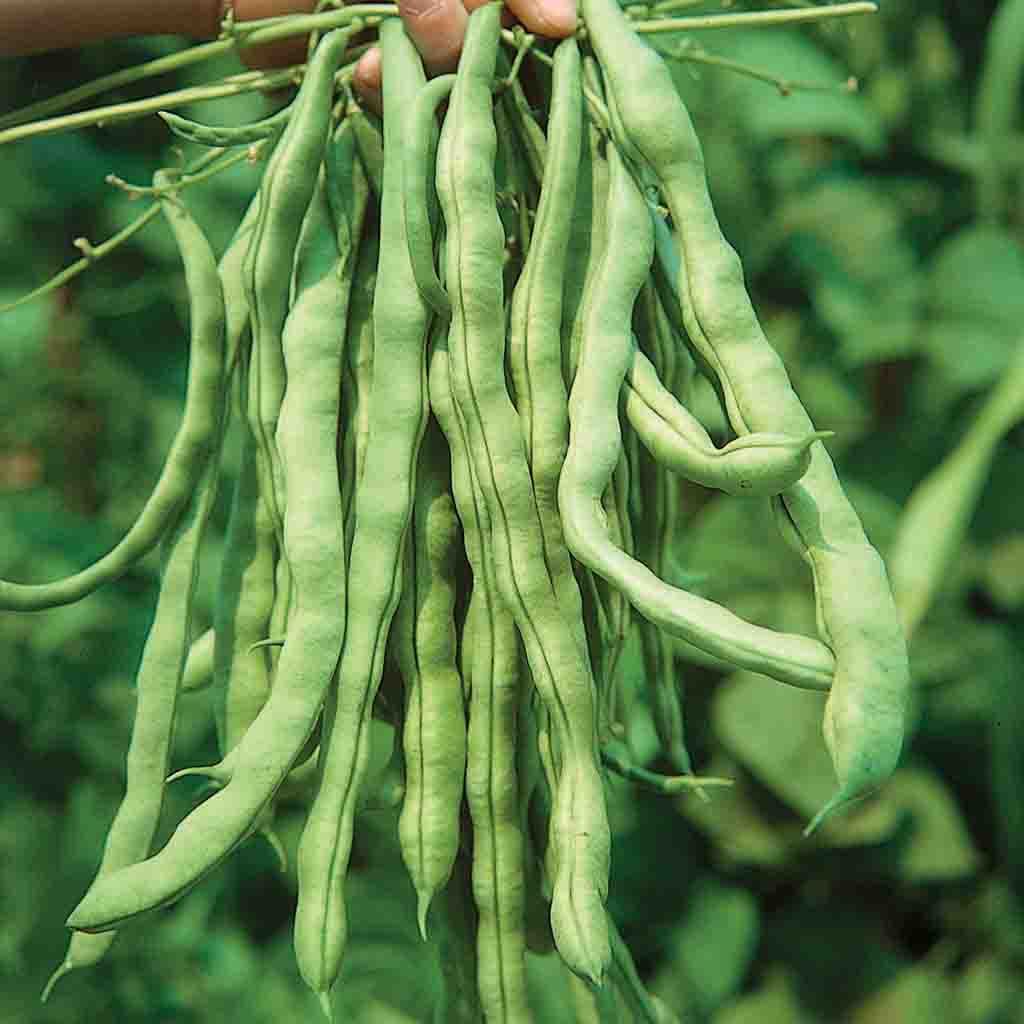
(325, 1004)
(64, 967)
(277, 846)
(423, 899)
(833, 803)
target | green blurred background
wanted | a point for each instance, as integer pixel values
(896, 296)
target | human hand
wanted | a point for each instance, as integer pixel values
(435, 26)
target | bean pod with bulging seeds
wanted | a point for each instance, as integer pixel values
(285, 192)
(474, 249)
(313, 545)
(865, 711)
(162, 664)
(750, 465)
(535, 331)
(491, 786)
(434, 730)
(398, 411)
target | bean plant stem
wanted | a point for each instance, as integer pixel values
(746, 19)
(199, 171)
(253, 33)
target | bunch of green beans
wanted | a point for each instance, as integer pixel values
(458, 345)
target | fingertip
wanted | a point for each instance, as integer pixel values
(367, 79)
(555, 19)
(437, 28)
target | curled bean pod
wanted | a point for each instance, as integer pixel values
(183, 467)
(751, 465)
(866, 708)
(797, 660)
(163, 658)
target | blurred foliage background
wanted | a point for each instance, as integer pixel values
(892, 282)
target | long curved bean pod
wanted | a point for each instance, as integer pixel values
(474, 249)
(314, 547)
(398, 411)
(865, 711)
(938, 512)
(182, 470)
(163, 657)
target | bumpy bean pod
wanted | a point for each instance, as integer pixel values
(285, 193)
(434, 728)
(748, 466)
(865, 711)
(474, 251)
(163, 657)
(398, 410)
(313, 545)
(491, 788)
(535, 334)
(225, 136)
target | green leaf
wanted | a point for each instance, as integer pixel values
(976, 297)
(774, 1002)
(714, 948)
(989, 990)
(775, 731)
(918, 995)
(916, 814)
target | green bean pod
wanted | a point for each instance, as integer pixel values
(418, 148)
(866, 708)
(313, 545)
(761, 464)
(226, 136)
(398, 411)
(285, 192)
(370, 145)
(474, 251)
(182, 470)
(491, 787)
(198, 672)
(434, 727)
(163, 659)
(357, 376)
(935, 520)
(535, 350)
(243, 608)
